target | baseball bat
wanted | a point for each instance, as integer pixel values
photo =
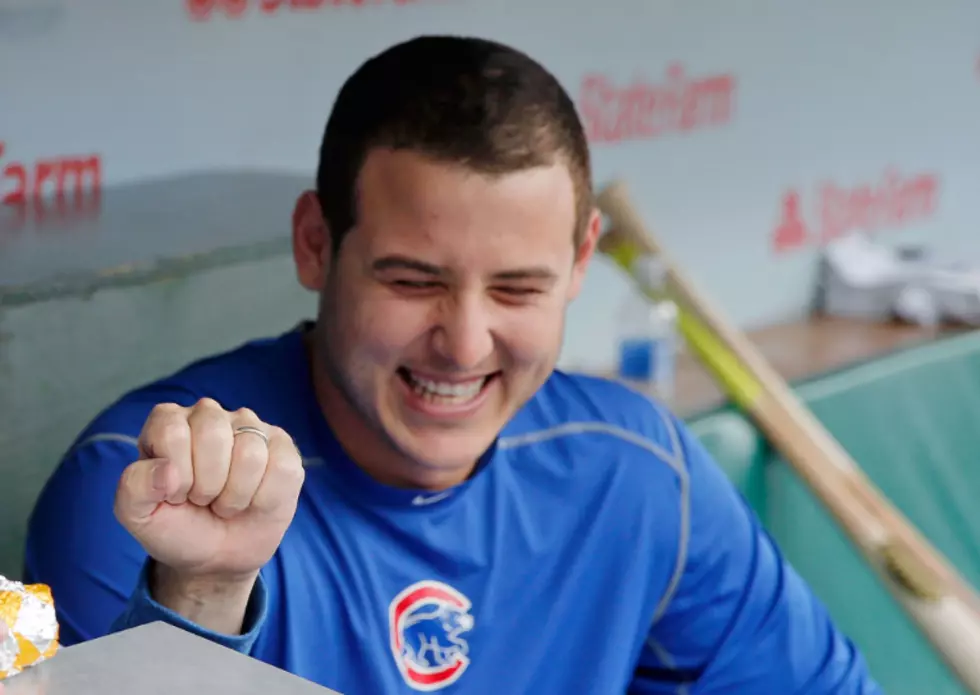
(934, 595)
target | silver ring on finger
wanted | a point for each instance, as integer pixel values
(252, 430)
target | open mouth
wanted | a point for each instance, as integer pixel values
(446, 393)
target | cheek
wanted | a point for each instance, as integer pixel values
(383, 329)
(533, 334)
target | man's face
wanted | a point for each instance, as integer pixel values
(444, 310)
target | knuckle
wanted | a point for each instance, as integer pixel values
(286, 460)
(278, 434)
(300, 475)
(208, 404)
(211, 432)
(208, 417)
(166, 409)
(172, 432)
(227, 507)
(288, 468)
(283, 437)
(246, 414)
(277, 464)
(183, 491)
(208, 480)
(201, 498)
(209, 425)
(252, 460)
(204, 490)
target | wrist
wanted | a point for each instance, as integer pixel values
(168, 580)
(214, 602)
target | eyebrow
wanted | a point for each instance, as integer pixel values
(405, 263)
(396, 262)
(533, 273)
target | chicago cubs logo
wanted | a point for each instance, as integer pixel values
(426, 622)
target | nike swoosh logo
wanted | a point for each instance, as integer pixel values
(420, 500)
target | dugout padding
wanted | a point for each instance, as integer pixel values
(912, 420)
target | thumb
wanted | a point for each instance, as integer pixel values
(143, 487)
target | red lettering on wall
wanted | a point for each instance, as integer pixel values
(202, 10)
(643, 110)
(51, 188)
(891, 203)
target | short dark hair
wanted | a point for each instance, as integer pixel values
(456, 99)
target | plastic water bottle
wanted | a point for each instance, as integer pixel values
(648, 335)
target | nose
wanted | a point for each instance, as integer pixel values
(463, 336)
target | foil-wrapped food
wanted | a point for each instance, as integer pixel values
(32, 627)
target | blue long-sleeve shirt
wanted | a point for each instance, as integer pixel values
(598, 549)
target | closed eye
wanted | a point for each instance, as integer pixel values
(415, 284)
(518, 291)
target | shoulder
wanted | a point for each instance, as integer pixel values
(596, 411)
(568, 400)
(612, 449)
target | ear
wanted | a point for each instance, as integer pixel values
(311, 242)
(584, 253)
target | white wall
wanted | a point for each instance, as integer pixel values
(847, 104)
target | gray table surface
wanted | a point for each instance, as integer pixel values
(155, 659)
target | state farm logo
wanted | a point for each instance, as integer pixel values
(49, 188)
(205, 9)
(643, 110)
(832, 210)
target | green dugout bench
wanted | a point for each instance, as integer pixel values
(912, 420)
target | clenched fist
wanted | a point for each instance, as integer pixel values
(213, 491)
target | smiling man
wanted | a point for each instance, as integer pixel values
(406, 495)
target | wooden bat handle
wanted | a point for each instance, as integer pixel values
(614, 202)
(894, 548)
(803, 440)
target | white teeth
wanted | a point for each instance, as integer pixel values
(444, 392)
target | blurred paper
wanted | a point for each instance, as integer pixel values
(862, 278)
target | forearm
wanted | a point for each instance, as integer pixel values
(215, 606)
(224, 622)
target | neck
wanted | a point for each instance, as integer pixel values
(369, 447)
